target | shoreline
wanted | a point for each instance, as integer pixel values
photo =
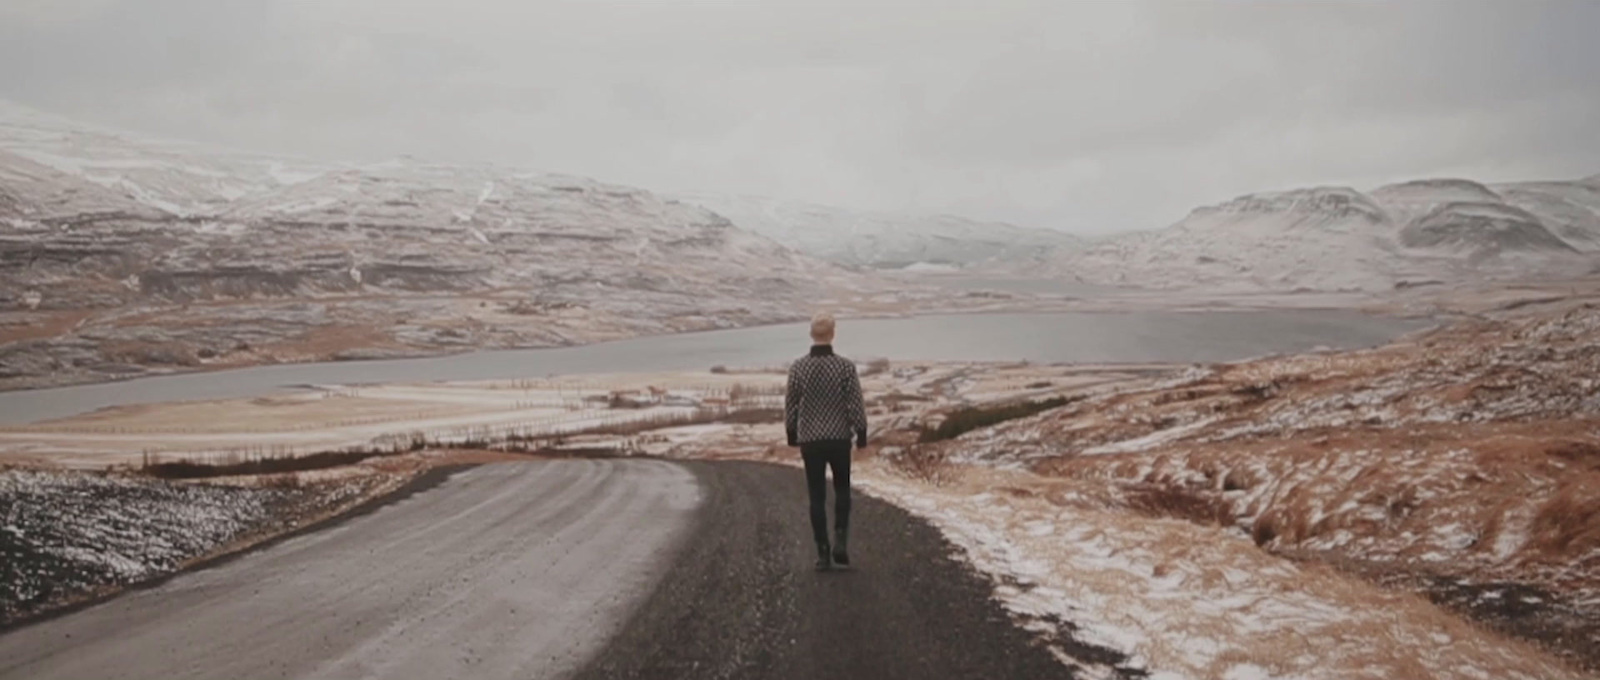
(1201, 306)
(1142, 461)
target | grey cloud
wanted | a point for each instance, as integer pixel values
(1088, 116)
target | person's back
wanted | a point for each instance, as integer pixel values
(823, 412)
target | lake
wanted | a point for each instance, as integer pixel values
(1042, 338)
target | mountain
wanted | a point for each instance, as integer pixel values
(177, 178)
(121, 255)
(1326, 238)
(1571, 210)
(1480, 230)
(887, 240)
(1341, 239)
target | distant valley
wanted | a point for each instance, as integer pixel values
(881, 240)
(122, 256)
(119, 256)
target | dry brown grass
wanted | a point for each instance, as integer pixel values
(926, 463)
(1568, 525)
(326, 341)
(1469, 455)
(43, 325)
(1177, 502)
(1197, 600)
(1454, 457)
(149, 353)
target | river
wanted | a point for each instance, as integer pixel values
(1043, 338)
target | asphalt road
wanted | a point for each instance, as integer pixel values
(502, 571)
(743, 601)
(558, 569)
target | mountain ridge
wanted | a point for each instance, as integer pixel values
(120, 256)
(883, 239)
(1333, 238)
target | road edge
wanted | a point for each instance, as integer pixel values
(418, 483)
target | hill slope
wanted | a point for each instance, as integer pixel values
(1341, 239)
(887, 240)
(119, 254)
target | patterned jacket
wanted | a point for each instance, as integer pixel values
(823, 401)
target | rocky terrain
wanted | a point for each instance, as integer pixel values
(120, 256)
(1420, 233)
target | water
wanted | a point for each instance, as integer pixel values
(1043, 338)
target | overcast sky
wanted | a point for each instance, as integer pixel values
(1083, 116)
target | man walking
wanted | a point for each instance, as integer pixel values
(823, 411)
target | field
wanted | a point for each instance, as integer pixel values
(1422, 509)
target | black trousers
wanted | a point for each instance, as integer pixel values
(820, 456)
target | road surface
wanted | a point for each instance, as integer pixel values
(560, 569)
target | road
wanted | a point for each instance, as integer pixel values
(560, 569)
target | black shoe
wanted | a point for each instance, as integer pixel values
(841, 555)
(823, 564)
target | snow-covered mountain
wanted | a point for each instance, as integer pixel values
(206, 224)
(1571, 210)
(242, 252)
(1338, 238)
(887, 240)
(177, 178)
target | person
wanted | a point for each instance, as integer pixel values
(823, 412)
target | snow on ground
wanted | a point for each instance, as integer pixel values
(1284, 517)
(1461, 464)
(332, 417)
(69, 534)
(1188, 602)
(1341, 239)
(1258, 519)
(336, 261)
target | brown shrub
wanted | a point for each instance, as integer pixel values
(1569, 523)
(971, 418)
(1265, 529)
(240, 464)
(1295, 512)
(929, 464)
(1582, 454)
(285, 481)
(1239, 479)
(1179, 502)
